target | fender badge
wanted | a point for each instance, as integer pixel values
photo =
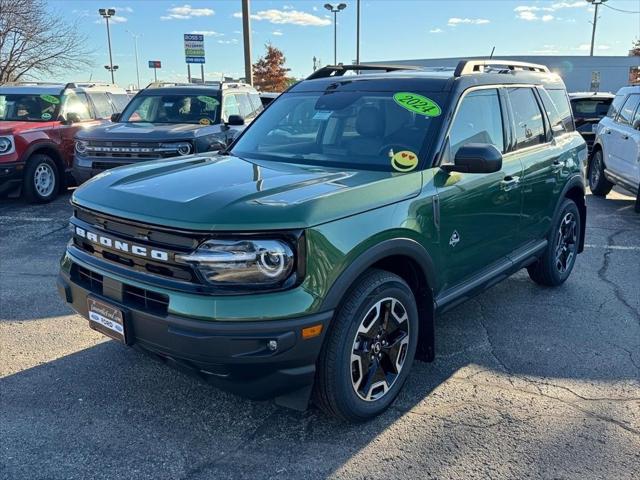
(455, 238)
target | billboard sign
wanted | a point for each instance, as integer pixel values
(155, 64)
(194, 48)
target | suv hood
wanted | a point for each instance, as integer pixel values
(9, 127)
(146, 132)
(216, 192)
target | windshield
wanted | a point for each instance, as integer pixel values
(29, 108)
(590, 108)
(363, 130)
(197, 109)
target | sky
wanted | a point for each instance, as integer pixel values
(302, 29)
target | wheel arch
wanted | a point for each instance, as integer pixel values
(575, 190)
(410, 261)
(51, 150)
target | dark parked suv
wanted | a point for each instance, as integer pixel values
(167, 120)
(312, 257)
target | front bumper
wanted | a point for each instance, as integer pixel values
(233, 355)
(10, 176)
(85, 168)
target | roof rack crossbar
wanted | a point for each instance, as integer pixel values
(466, 67)
(340, 69)
(181, 84)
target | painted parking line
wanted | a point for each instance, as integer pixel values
(28, 219)
(614, 247)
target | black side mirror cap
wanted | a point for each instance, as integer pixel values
(72, 117)
(115, 117)
(235, 120)
(475, 158)
(217, 144)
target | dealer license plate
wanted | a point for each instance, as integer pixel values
(106, 319)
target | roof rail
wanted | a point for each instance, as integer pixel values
(180, 84)
(90, 84)
(466, 67)
(340, 69)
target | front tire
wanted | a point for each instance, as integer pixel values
(556, 264)
(41, 179)
(598, 183)
(369, 350)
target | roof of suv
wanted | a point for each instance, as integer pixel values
(42, 88)
(171, 88)
(476, 72)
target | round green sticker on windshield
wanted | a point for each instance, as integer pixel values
(208, 100)
(50, 99)
(417, 104)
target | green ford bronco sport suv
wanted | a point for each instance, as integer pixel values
(309, 260)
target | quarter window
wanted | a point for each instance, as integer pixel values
(615, 106)
(628, 109)
(558, 110)
(527, 118)
(479, 120)
(246, 110)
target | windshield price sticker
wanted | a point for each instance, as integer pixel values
(322, 115)
(50, 99)
(205, 121)
(417, 104)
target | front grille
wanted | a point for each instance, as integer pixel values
(129, 150)
(121, 232)
(86, 278)
(145, 300)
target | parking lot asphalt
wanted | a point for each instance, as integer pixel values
(528, 382)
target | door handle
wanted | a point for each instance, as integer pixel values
(607, 131)
(625, 137)
(509, 183)
(557, 165)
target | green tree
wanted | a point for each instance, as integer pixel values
(269, 72)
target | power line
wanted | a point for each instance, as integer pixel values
(619, 9)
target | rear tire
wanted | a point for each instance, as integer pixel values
(41, 182)
(556, 264)
(598, 183)
(369, 350)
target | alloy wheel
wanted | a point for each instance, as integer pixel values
(567, 242)
(44, 180)
(594, 174)
(379, 349)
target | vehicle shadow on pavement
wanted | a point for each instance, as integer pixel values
(521, 373)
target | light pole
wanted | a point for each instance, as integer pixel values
(135, 47)
(595, 21)
(246, 36)
(335, 10)
(106, 13)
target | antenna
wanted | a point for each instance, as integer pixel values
(492, 50)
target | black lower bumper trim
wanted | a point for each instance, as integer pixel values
(233, 355)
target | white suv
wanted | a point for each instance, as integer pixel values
(616, 151)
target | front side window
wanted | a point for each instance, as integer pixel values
(101, 102)
(246, 109)
(29, 108)
(351, 129)
(478, 120)
(615, 107)
(527, 117)
(76, 104)
(193, 109)
(628, 109)
(256, 103)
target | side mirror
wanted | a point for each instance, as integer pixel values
(216, 145)
(558, 129)
(115, 117)
(72, 117)
(475, 158)
(235, 120)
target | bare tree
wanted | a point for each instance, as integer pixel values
(35, 42)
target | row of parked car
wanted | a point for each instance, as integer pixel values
(58, 135)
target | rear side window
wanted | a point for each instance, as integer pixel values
(102, 104)
(230, 107)
(615, 107)
(119, 100)
(559, 110)
(256, 103)
(76, 103)
(626, 112)
(527, 117)
(478, 120)
(246, 109)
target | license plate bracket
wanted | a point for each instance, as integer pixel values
(107, 319)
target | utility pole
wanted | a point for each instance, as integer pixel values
(246, 34)
(596, 3)
(358, 32)
(135, 47)
(106, 13)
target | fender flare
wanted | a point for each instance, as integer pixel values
(386, 248)
(575, 181)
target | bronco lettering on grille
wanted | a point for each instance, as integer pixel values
(114, 244)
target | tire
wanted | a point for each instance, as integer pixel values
(598, 183)
(637, 205)
(556, 264)
(340, 373)
(42, 180)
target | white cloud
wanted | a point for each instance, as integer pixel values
(233, 41)
(208, 33)
(547, 18)
(436, 30)
(293, 17)
(277, 33)
(287, 7)
(454, 22)
(315, 9)
(585, 47)
(123, 9)
(528, 12)
(186, 12)
(113, 19)
(527, 15)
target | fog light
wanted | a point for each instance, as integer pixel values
(273, 345)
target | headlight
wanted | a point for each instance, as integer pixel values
(81, 147)
(244, 262)
(6, 145)
(182, 148)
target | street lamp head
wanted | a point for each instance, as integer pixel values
(328, 6)
(102, 11)
(342, 6)
(111, 11)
